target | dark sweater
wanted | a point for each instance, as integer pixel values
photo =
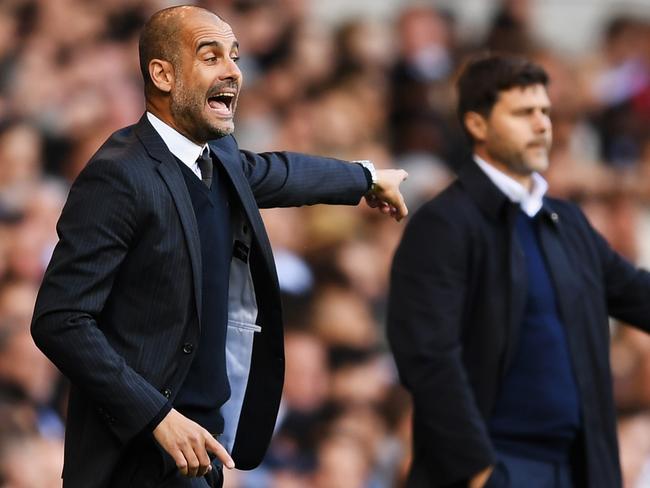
(206, 386)
(537, 413)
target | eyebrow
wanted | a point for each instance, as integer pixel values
(217, 44)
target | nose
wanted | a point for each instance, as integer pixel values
(541, 122)
(232, 71)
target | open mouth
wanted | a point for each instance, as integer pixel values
(222, 103)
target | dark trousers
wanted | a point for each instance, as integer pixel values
(147, 465)
(512, 471)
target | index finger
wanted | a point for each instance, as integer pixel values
(218, 450)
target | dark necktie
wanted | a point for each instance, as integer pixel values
(205, 166)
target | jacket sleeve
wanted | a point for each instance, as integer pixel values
(97, 225)
(627, 287)
(426, 306)
(285, 179)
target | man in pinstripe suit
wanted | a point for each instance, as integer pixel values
(161, 301)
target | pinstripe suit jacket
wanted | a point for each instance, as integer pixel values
(122, 294)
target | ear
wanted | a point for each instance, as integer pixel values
(476, 125)
(162, 74)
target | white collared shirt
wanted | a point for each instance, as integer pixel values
(179, 145)
(530, 202)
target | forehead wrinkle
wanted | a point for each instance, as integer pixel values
(208, 35)
(217, 44)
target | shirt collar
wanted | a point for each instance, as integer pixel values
(179, 145)
(530, 202)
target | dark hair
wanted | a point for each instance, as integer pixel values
(484, 76)
(159, 39)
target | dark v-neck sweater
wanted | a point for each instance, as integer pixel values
(537, 413)
(206, 386)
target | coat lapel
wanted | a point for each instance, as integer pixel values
(171, 174)
(226, 150)
(498, 208)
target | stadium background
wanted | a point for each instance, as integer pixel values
(364, 79)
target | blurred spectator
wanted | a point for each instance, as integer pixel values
(342, 463)
(359, 376)
(421, 97)
(30, 462)
(285, 228)
(25, 368)
(20, 153)
(17, 299)
(306, 376)
(342, 318)
(510, 29)
(621, 90)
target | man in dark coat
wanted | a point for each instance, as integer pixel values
(499, 305)
(161, 302)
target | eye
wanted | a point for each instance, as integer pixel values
(211, 59)
(235, 58)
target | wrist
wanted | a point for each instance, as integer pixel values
(370, 170)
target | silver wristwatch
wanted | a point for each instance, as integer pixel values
(371, 169)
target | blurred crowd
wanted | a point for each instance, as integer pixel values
(364, 89)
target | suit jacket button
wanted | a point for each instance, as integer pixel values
(188, 348)
(167, 393)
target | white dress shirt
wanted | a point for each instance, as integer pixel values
(530, 201)
(179, 145)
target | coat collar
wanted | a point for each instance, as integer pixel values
(489, 198)
(480, 188)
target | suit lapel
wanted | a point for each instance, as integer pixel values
(171, 174)
(226, 150)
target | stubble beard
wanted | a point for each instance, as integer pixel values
(186, 107)
(519, 161)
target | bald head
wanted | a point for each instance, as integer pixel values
(188, 58)
(160, 37)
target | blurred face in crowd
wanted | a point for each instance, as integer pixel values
(17, 299)
(31, 461)
(342, 463)
(516, 136)
(306, 376)
(22, 364)
(20, 154)
(205, 80)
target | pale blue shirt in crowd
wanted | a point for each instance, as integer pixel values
(179, 145)
(530, 201)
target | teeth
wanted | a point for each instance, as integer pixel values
(224, 95)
